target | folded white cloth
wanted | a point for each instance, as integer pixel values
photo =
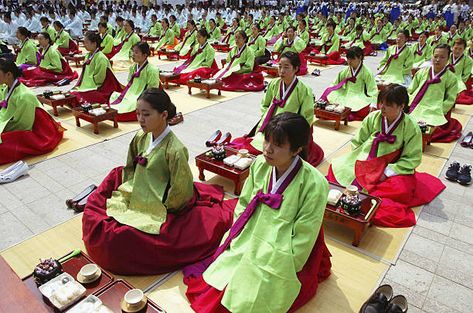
(333, 196)
(58, 97)
(243, 163)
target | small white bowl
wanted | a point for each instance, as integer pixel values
(134, 297)
(89, 270)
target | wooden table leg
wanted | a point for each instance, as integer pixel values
(55, 112)
(96, 128)
(166, 84)
(345, 121)
(219, 92)
(337, 124)
(190, 92)
(238, 185)
(201, 174)
(208, 93)
(115, 122)
(358, 234)
(77, 122)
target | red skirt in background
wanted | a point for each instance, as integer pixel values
(466, 96)
(42, 138)
(206, 299)
(38, 76)
(184, 239)
(450, 131)
(73, 48)
(253, 81)
(203, 72)
(334, 58)
(315, 154)
(398, 193)
(101, 94)
(360, 114)
(127, 117)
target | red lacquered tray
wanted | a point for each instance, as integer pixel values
(113, 294)
(72, 267)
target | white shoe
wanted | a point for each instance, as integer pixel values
(14, 172)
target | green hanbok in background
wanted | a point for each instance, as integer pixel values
(175, 29)
(51, 31)
(240, 61)
(463, 67)
(284, 45)
(155, 30)
(257, 45)
(214, 34)
(107, 43)
(126, 49)
(139, 79)
(421, 54)
(187, 43)
(19, 114)
(26, 53)
(167, 39)
(396, 65)
(378, 36)
(94, 72)
(62, 39)
(357, 89)
(201, 57)
(432, 96)
(120, 35)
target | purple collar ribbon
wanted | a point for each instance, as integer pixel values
(420, 49)
(43, 52)
(135, 75)
(272, 200)
(455, 61)
(141, 160)
(253, 41)
(341, 84)
(384, 137)
(425, 86)
(278, 103)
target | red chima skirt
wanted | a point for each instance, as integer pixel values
(398, 193)
(73, 48)
(449, 132)
(184, 239)
(38, 76)
(360, 114)
(253, 81)
(466, 96)
(315, 154)
(203, 72)
(206, 299)
(101, 94)
(44, 137)
(334, 58)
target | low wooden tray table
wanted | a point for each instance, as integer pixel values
(321, 59)
(221, 47)
(204, 162)
(357, 223)
(113, 294)
(72, 267)
(77, 59)
(333, 116)
(205, 86)
(68, 101)
(167, 78)
(427, 137)
(171, 55)
(270, 70)
(110, 115)
(150, 38)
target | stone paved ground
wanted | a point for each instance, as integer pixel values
(434, 270)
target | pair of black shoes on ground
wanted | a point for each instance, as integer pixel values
(459, 174)
(382, 301)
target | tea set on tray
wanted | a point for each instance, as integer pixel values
(63, 291)
(325, 105)
(348, 201)
(217, 142)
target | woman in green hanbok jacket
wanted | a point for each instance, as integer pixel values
(26, 52)
(201, 62)
(107, 40)
(156, 29)
(272, 32)
(229, 37)
(378, 34)
(302, 31)
(214, 32)
(151, 208)
(422, 52)
(354, 87)
(189, 40)
(52, 68)
(46, 27)
(64, 42)
(25, 127)
(167, 40)
(120, 33)
(131, 38)
(275, 251)
(396, 65)
(174, 26)
(437, 38)
(97, 81)
(432, 95)
(386, 151)
(291, 42)
(257, 43)
(141, 76)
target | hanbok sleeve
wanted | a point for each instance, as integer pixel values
(414, 84)
(100, 71)
(364, 132)
(246, 192)
(307, 223)
(307, 104)
(371, 87)
(129, 169)
(409, 61)
(209, 57)
(181, 186)
(335, 44)
(467, 69)
(278, 44)
(153, 77)
(451, 92)
(247, 63)
(299, 45)
(411, 155)
(384, 59)
(52, 61)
